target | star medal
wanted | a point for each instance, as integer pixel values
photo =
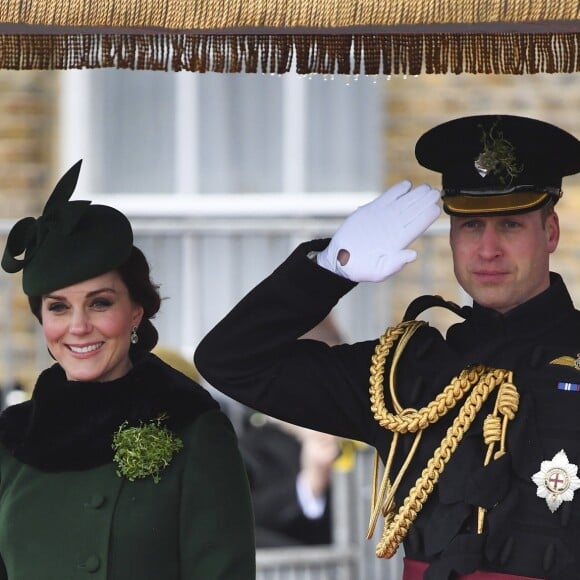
(557, 480)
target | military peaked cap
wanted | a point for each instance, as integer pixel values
(498, 164)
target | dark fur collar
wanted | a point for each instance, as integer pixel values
(69, 425)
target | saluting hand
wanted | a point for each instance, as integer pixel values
(371, 244)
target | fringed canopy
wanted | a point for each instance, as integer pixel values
(310, 36)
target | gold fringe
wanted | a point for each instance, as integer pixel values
(209, 16)
(389, 54)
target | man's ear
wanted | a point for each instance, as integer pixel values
(552, 231)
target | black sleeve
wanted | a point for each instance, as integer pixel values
(254, 356)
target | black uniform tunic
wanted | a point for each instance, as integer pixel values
(253, 355)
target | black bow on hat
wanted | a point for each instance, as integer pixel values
(28, 234)
(70, 242)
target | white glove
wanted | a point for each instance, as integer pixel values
(377, 234)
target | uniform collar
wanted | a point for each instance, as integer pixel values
(544, 311)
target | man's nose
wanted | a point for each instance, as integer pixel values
(490, 243)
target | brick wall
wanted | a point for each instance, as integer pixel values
(27, 144)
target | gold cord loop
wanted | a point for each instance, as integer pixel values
(491, 429)
(506, 404)
(477, 380)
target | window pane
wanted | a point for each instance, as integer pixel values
(343, 135)
(132, 120)
(243, 133)
(240, 132)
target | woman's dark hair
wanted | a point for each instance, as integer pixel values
(135, 273)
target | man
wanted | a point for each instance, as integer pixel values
(479, 430)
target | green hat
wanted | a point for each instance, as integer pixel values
(70, 242)
(498, 164)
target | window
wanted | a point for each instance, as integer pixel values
(172, 144)
(154, 132)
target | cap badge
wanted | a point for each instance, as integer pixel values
(481, 169)
(557, 480)
(498, 156)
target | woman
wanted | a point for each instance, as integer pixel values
(119, 467)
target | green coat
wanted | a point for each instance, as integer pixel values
(195, 523)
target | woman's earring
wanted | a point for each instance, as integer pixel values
(134, 335)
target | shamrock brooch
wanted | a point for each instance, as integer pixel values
(144, 450)
(557, 480)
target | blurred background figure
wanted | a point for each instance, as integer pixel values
(12, 395)
(290, 473)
